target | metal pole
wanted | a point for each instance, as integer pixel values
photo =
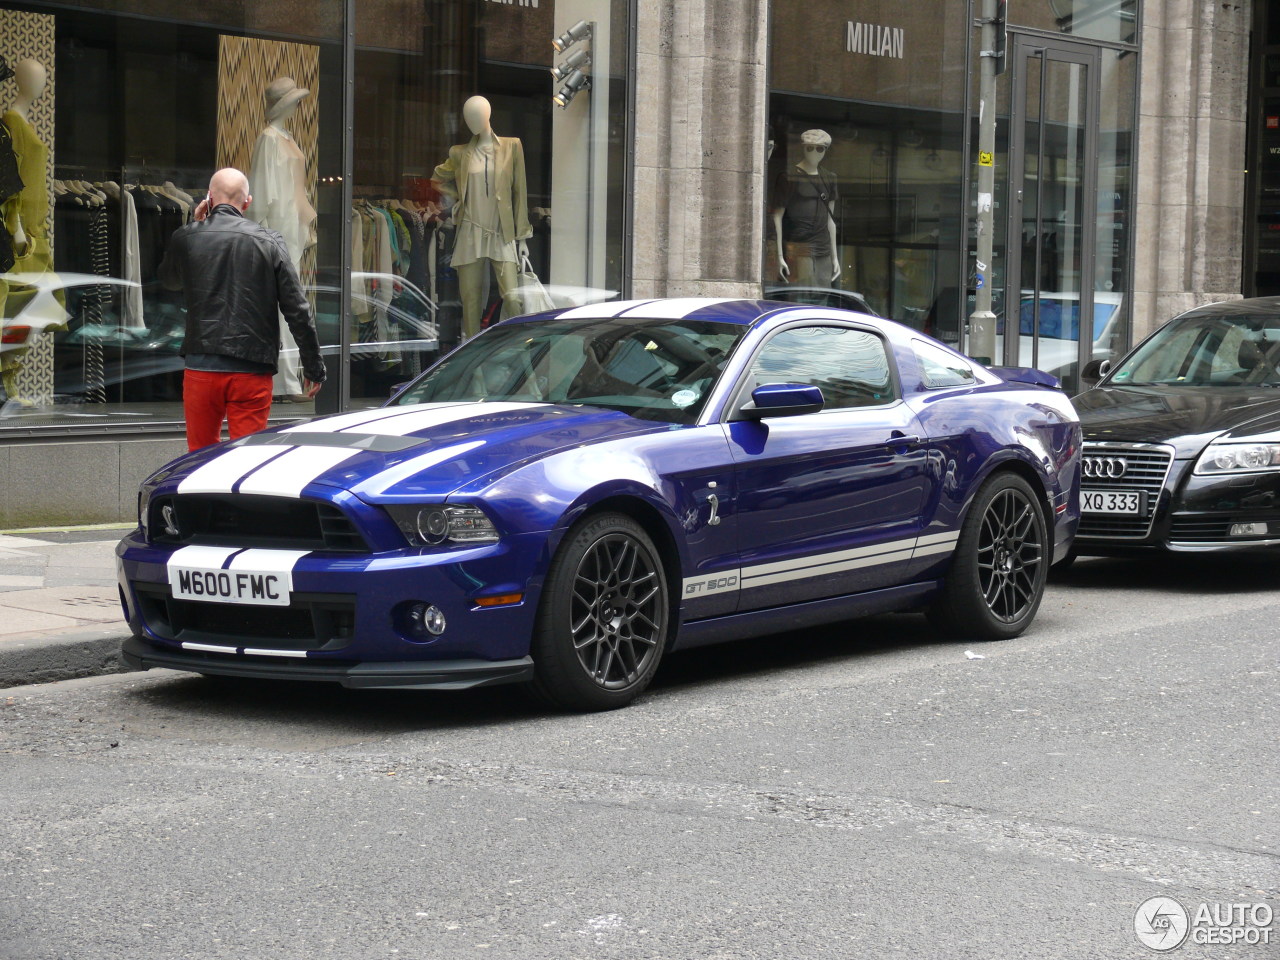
(982, 322)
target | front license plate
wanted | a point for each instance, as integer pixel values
(1114, 501)
(259, 587)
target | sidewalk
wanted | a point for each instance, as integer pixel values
(59, 605)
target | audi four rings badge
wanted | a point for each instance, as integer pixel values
(1111, 468)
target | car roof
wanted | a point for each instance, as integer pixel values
(723, 310)
(1254, 306)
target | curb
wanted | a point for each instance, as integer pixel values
(63, 656)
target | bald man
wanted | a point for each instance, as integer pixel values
(238, 279)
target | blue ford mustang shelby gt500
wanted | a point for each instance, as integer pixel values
(567, 496)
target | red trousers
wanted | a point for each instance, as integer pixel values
(208, 398)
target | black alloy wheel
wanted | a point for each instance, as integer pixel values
(997, 576)
(602, 624)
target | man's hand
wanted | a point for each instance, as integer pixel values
(202, 210)
(315, 372)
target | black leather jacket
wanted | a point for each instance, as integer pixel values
(236, 274)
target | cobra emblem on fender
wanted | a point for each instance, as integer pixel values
(1105, 468)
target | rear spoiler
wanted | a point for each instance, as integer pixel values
(1037, 378)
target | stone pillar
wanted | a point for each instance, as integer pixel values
(701, 101)
(1191, 157)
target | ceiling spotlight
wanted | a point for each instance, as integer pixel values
(571, 36)
(579, 58)
(573, 85)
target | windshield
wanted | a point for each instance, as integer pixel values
(1207, 351)
(652, 369)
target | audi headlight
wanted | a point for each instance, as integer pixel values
(1220, 458)
(436, 524)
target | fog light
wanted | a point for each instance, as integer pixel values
(1248, 530)
(426, 619)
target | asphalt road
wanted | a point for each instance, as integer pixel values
(860, 792)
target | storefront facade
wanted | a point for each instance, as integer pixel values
(665, 157)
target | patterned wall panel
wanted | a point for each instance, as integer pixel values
(245, 66)
(30, 36)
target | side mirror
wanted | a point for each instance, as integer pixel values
(1094, 371)
(782, 400)
(398, 388)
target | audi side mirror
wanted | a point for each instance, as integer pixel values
(1094, 371)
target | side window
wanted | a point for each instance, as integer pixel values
(850, 366)
(939, 368)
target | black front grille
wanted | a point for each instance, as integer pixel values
(1146, 468)
(310, 622)
(245, 520)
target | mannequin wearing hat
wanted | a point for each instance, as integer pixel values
(278, 185)
(486, 178)
(26, 213)
(803, 208)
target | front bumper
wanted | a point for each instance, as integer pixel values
(412, 675)
(346, 617)
(1194, 514)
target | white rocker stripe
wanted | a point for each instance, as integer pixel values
(803, 563)
(286, 476)
(674, 309)
(220, 474)
(208, 648)
(949, 537)
(610, 308)
(438, 417)
(936, 548)
(750, 580)
(358, 419)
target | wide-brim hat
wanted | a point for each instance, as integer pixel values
(281, 95)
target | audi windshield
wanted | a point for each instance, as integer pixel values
(1207, 351)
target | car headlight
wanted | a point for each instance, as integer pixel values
(1220, 458)
(432, 525)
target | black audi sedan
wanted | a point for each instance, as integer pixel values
(1182, 437)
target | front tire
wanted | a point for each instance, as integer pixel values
(602, 623)
(997, 577)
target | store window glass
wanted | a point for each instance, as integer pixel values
(115, 123)
(865, 150)
(1114, 20)
(485, 185)
(1112, 307)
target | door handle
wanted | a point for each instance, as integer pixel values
(899, 439)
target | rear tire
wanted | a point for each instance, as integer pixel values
(602, 623)
(996, 581)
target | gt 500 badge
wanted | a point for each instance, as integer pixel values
(704, 585)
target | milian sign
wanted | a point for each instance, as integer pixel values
(874, 40)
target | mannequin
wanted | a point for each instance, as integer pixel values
(803, 210)
(486, 178)
(26, 214)
(278, 184)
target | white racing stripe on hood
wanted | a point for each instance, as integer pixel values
(610, 308)
(289, 474)
(221, 473)
(384, 481)
(358, 419)
(674, 309)
(201, 558)
(437, 417)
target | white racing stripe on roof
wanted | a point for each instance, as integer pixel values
(674, 309)
(287, 475)
(424, 419)
(360, 418)
(221, 473)
(610, 308)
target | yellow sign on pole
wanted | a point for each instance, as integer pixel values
(986, 159)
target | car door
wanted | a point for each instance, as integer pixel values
(829, 503)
